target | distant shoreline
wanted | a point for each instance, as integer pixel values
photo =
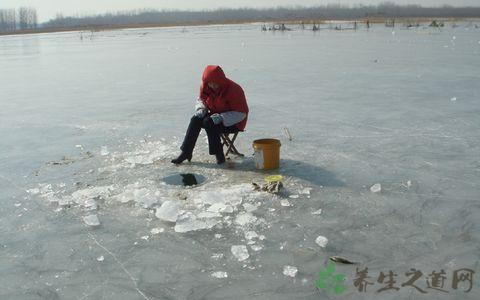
(372, 20)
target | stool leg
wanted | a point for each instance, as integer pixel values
(232, 146)
(225, 142)
(229, 142)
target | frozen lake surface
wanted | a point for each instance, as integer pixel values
(383, 168)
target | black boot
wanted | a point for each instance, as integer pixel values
(220, 157)
(183, 156)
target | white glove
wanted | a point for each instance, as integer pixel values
(200, 113)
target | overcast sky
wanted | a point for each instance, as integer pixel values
(49, 8)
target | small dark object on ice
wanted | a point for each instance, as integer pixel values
(181, 196)
(88, 154)
(64, 161)
(342, 260)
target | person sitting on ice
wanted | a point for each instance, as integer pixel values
(221, 107)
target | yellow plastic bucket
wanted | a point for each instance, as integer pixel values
(266, 154)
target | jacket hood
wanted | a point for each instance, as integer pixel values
(214, 74)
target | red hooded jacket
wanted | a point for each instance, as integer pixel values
(230, 96)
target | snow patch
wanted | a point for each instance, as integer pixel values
(220, 274)
(377, 187)
(290, 271)
(321, 241)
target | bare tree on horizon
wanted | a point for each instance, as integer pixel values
(23, 18)
(8, 21)
(27, 16)
(329, 11)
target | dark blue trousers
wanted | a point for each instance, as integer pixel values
(213, 134)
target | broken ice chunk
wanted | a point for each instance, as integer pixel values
(317, 212)
(104, 151)
(91, 220)
(82, 196)
(125, 197)
(377, 187)
(321, 241)
(189, 222)
(284, 202)
(245, 218)
(453, 99)
(100, 258)
(249, 235)
(290, 271)
(65, 201)
(144, 197)
(293, 196)
(33, 191)
(169, 211)
(305, 191)
(220, 274)
(240, 252)
(216, 256)
(256, 247)
(157, 230)
(220, 207)
(90, 204)
(232, 195)
(249, 207)
(208, 214)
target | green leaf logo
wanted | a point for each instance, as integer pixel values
(331, 282)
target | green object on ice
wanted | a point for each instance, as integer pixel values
(330, 281)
